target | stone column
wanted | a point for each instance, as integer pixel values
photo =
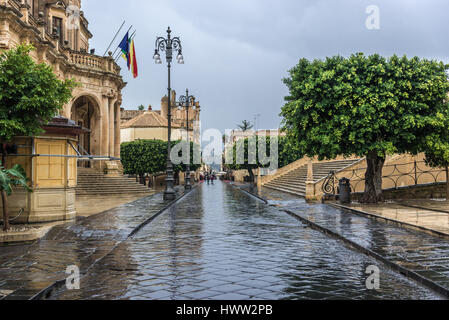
(111, 127)
(104, 144)
(117, 130)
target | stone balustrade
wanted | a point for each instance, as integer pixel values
(94, 62)
(88, 60)
(81, 60)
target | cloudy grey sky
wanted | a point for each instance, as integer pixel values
(237, 51)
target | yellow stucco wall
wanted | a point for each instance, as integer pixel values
(132, 134)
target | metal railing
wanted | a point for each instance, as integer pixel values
(394, 176)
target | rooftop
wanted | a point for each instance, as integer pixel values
(148, 119)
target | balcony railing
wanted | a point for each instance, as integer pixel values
(86, 60)
(79, 59)
(14, 3)
(394, 176)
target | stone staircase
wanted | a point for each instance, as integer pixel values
(294, 182)
(92, 182)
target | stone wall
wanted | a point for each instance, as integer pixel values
(430, 191)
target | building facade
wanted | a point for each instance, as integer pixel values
(88, 124)
(59, 32)
(153, 124)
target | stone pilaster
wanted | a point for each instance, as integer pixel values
(310, 183)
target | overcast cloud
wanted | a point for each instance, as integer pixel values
(237, 51)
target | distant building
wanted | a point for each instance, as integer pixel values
(153, 124)
(237, 135)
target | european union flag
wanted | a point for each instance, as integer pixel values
(124, 46)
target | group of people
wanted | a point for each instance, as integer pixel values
(208, 177)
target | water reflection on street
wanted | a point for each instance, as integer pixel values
(220, 243)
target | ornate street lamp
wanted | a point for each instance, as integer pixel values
(185, 100)
(169, 45)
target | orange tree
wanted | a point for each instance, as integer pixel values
(368, 106)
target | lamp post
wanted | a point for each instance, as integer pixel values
(186, 100)
(169, 45)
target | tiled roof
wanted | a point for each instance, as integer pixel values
(130, 114)
(149, 119)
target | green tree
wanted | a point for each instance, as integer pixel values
(193, 166)
(246, 157)
(30, 95)
(150, 156)
(369, 107)
(144, 156)
(9, 178)
(141, 107)
(288, 151)
(245, 126)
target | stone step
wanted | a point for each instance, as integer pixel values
(93, 182)
(293, 187)
(301, 194)
(294, 182)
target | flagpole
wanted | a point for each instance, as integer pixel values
(120, 29)
(130, 38)
(117, 46)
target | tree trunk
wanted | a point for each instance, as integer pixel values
(4, 197)
(5, 211)
(373, 176)
(447, 183)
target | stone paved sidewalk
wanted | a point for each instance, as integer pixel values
(429, 216)
(422, 253)
(26, 270)
(220, 243)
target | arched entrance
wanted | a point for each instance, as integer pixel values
(85, 112)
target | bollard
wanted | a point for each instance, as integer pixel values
(345, 191)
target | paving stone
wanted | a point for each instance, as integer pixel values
(219, 243)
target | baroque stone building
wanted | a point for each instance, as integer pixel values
(153, 124)
(59, 31)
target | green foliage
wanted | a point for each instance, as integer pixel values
(287, 153)
(15, 177)
(182, 167)
(30, 93)
(144, 156)
(150, 156)
(368, 104)
(141, 107)
(245, 126)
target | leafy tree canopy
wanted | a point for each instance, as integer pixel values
(30, 93)
(368, 106)
(360, 104)
(150, 156)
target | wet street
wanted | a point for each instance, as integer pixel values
(220, 243)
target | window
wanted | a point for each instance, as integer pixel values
(57, 27)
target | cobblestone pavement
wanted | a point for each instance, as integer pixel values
(27, 269)
(425, 254)
(220, 243)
